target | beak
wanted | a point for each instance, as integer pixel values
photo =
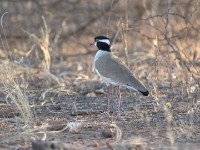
(92, 43)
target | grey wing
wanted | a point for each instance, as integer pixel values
(113, 68)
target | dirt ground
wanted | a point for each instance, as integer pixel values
(145, 122)
(51, 98)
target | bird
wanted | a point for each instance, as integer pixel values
(113, 71)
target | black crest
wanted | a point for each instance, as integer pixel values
(100, 37)
(102, 45)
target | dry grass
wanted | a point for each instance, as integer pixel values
(14, 87)
(161, 47)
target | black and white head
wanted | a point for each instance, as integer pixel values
(102, 43)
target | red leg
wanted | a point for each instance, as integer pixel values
(109, 98)
(119, 101)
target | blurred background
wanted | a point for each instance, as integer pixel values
(140, 30)
(46, 66)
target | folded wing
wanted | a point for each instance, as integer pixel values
(113, 68)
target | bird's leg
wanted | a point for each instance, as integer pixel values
(109, 98)
(119, 101)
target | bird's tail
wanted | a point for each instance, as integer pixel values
(146, 93)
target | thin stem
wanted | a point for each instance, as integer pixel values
(109, 98)
(167, 42)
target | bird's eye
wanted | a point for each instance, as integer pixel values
(97, 40)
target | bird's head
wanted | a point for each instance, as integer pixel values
(102, 43)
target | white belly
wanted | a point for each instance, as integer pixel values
(108, 81)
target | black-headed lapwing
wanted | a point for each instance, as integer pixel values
(113, 71)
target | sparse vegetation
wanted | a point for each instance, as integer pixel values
(47, 83)
(14, 88)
